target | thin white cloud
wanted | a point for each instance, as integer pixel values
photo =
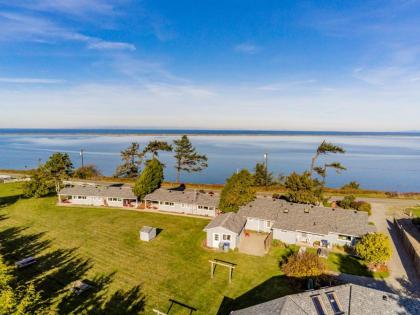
(30, 80)
(105, 45)
(20, 27)
(279, 86)
(247, 48)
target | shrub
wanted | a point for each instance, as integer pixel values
(346, 202)
(362, 206)
(86, 172)
(374, 248)
(237, 192)
(351, 186)
(302, 188)
(279, 244)
(304, 265)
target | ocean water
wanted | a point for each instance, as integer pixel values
(388, 162)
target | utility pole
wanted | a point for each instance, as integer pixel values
(81, 154)
(266, 169)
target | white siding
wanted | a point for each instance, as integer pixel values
(221, 231)
(258, 225)
(185, 208)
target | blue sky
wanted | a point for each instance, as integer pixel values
(320, 65)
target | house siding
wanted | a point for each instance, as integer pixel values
(258, 225)
(234, 237)
(185, 208)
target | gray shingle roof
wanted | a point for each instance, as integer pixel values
(186, 196)
(299, 217)
(99, 191)
(230, 221)
(362, 300)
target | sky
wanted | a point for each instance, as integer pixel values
(236, 64)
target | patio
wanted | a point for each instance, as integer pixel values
(253, 243)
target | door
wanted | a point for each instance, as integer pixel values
(216, 240)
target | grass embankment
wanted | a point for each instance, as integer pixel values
(103, 245)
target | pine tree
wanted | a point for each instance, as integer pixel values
(237, 192)
(302, 188)
(261, 176)
(132, 159)
(187, 158)
(155, 146)
(150, 179)
(323, 149)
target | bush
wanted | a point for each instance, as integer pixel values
(374, 248)
(349, 202)
(304, 265)
(86, 172)
(278, 244)
(351, 186)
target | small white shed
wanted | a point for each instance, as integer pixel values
(147, 233)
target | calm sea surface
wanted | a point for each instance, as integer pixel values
(386, 162)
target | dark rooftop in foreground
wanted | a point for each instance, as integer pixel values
(342, 299)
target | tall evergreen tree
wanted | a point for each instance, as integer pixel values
(187, 158)
(155, 146)
(132, 159)
(322, 171)
(262, 176)
(48, 178)
(237, 192)
(150, 179)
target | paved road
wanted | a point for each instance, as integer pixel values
(403, 278)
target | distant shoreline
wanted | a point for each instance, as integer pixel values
(176, 132)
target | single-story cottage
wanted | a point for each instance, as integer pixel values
(227, 229)
(292, 223)
(186, 201)
(98, 195)
(342, 299)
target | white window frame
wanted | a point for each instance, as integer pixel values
(226, 237)
(218, 237)
(267, 224)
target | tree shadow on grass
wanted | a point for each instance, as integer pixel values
(350, 265)
(57, 269)
(9, 200)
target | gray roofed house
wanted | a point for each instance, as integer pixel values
(225, 229)
(342, 299)
(98, 195)
(186, 201)
(307, 218)
(294, 223)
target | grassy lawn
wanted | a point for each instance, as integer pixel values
(103, 245)
(348, 264)
(415, 211)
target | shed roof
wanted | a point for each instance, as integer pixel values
(230, 221)
(361, 300)
(186, 196)
(147, 229)
(307, 218)
(99, 191)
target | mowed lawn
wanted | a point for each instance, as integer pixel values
(103, 245)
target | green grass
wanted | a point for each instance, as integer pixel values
(102, 245)
(415, 211)
(344, 263)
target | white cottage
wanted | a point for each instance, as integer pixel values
(186, 201)
(98, 195)
(226, 229)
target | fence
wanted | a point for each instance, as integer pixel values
(410, 244)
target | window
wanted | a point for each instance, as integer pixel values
(203, 207)
(114, 199)
(216, 237)
(81, 197)
(344, 237)
(318, 305)
(267, 224)
(334, 303)
(226, 237)
(167, 203)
